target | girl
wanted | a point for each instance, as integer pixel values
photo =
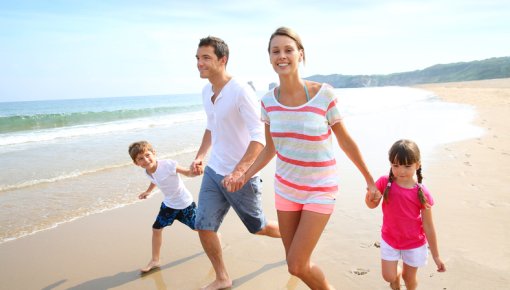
(407, 217)
(300, 117)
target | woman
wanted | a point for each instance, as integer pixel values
(300, 117)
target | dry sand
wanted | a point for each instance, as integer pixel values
(467, 179)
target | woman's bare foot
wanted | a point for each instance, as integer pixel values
(152, 265)
(218, 284)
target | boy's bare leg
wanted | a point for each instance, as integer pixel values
(212, 247)
(157, 240)
(271, 230)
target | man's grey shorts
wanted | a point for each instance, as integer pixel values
(214, 201)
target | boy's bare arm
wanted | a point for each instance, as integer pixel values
(146, 193)
(185, 171)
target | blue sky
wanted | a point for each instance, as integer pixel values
(81, 49)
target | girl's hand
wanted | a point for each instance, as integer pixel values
(373, 193)
(440, 265)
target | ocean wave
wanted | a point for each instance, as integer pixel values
(76, 174)
(10, 124)
(17, 138)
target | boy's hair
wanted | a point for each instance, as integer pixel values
(220, 46)
(285, 31)
(139, 147)
(406, 152)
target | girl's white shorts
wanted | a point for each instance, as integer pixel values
(416, 257)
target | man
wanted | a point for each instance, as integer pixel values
(235, 136)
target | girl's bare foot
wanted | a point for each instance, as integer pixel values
(152, 265)
(395, 285)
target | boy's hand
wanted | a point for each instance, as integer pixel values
(144, 195)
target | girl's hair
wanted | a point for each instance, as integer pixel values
(406, 152)
(285, 31)
(220, 46)
(139, 147)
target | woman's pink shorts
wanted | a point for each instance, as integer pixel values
(283, 204)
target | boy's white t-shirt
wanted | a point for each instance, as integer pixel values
(166, 178)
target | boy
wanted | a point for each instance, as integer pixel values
(178, 203)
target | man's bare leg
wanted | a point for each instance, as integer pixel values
(271, 230)
(212, 247)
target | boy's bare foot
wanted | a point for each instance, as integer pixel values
(218, 284)
(152, 265)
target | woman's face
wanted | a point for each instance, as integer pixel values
(284, 55)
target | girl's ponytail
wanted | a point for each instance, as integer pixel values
(421, 196)
(387, 188)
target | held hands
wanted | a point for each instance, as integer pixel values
(373, 196)
(373, 193)
(234, 181)
(197, 167)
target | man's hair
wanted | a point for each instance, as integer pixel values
(220, 47)
(139, 147)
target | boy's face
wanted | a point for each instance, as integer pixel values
(146, 159)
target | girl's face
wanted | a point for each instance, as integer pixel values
(284, 55)
(404, 174)
(146, 160)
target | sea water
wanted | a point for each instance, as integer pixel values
(66, 159)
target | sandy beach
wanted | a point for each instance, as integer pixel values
(467, 179)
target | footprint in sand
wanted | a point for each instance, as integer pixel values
(360, 271)
(467, 163)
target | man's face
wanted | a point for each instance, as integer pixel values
(208, 63)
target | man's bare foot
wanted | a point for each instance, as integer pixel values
(218, 284)
(152, 265)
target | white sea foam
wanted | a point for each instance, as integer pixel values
(8, 140)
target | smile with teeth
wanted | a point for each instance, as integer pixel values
(283, 64)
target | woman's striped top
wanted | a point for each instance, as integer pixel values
(305, 167)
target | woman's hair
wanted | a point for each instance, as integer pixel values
(139, 147)
(406, 152)
(285, 31)
(220, 46)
